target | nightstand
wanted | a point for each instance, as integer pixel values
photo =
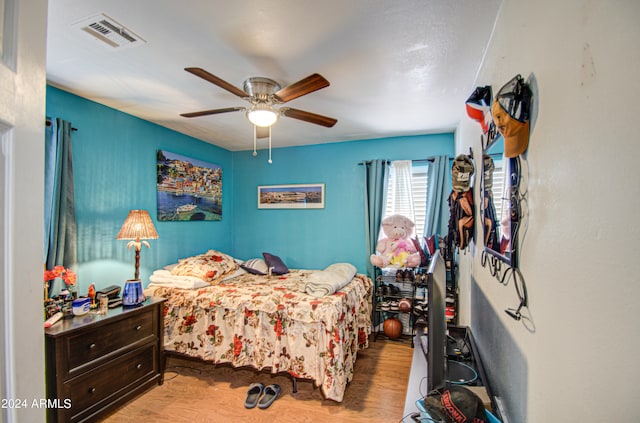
(95, 363)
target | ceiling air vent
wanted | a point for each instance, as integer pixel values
(109, 31)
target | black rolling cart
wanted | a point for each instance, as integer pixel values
(398, 293)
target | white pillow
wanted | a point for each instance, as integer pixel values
(344, 270)
(256, 266)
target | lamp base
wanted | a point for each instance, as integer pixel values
(133, 294)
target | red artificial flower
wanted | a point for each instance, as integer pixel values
(67, 275)
(49, 275)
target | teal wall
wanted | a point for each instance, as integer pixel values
(315, 238)
(114, 161)
(114, 168)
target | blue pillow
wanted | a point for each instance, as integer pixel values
(275, 263)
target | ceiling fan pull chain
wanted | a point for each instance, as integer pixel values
(255, 135)
(270, 146)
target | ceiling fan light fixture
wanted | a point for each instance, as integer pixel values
(262, 115)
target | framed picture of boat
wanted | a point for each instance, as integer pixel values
(188, 189)
(297, 196)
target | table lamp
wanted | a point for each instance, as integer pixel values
(136, 227)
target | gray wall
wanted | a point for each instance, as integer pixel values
(578, 256)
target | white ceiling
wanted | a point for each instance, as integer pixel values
(396, 67)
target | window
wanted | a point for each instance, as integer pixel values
(499, 196)
(408, 197)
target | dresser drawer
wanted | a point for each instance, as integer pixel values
(98, 362)
(91, 390)
(85, 347)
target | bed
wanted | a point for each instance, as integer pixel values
(308, 323)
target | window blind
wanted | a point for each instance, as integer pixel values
(398, 200)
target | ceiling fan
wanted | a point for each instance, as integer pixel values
(263, 94)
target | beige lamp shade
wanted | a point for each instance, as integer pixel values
(137, 225)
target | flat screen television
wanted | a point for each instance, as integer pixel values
(437, 324)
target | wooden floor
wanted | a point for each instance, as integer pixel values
(198, 392)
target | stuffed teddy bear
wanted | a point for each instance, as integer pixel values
(396, 249)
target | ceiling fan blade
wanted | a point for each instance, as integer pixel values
(217, 81)
(308, 117)
(213, 112)
(305, 86)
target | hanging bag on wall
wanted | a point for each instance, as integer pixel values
(461, 206)
(461, 221)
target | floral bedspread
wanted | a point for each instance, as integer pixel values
(270, 322)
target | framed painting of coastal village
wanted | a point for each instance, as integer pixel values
(299, 196)
(188, 189)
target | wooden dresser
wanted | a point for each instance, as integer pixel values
(95, 363)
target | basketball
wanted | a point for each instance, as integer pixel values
(392, 328)
(405, 305)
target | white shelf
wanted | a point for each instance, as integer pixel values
(417, 384)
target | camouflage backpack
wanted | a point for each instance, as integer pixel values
(461, 206)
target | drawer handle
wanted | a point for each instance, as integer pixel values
(138, 327)
(139, 366)
(92, 390)
(92, 346)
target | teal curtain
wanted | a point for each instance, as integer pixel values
(375, 194)
(60, 234)
(439, 181)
